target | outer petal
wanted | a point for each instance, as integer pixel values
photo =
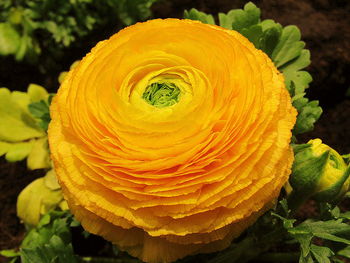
(163, 183)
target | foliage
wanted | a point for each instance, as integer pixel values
(331, 228)
(22, 133)
(33, 28)
(38, 198)
(319, 172)
(283, 46)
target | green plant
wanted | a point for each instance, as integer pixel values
(33, 29)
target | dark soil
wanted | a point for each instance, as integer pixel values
(325, 27)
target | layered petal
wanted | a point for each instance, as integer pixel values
(172, 137)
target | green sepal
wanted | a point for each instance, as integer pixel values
(346, 158)
(307, 171)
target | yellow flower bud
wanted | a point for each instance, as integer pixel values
(318, 172)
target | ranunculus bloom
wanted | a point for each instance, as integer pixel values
(171, 138)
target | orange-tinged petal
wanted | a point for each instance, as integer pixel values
(163, 181)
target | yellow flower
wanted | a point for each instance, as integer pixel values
(172, 137)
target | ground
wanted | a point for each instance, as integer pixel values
(325, 27)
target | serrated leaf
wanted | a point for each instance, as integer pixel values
(334, 238)
(305, 241)
(292, 72)
(194, 14)
(254, 34)
(309, 113)
(40, 110)
(249, 16)
(9, 39)
(287, 222)
(333, 227)
(226, 20)
(289, 46)
(321, 254)
(269, 39)
(239, 19)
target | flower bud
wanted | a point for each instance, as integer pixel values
(318, 172)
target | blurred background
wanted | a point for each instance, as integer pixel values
(41, 38)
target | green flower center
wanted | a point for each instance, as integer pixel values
(161, 95)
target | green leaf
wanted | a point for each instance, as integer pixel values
(18, 151)
(9, 253)
(270, 37)
(334, 227)
(132, 11)
(36, 200)
(194, 14)
(309, 113)
(331, 237)
(50, 180)
(287, 222)
(37, 93)
(16, 123)
(289, 46)
(226, 20)
(345, 215)
(39, 157)
(321, 254)
(4, 147)
(249, 16)
(50, 241)
(9, 39)
(305, 241)
(254, 34)
(41, 111)
(292, 73)
(344, 252)
(239, 19)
